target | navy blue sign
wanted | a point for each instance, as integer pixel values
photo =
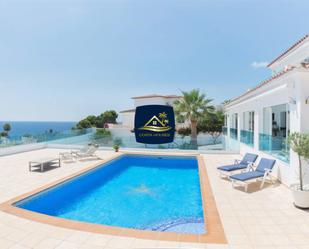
(154, 124)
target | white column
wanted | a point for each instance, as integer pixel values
(238, 126)
(258, 117)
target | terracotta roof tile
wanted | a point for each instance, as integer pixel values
(129, 110)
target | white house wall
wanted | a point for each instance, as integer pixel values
(128, 119)
(293, 86)
(303, 109)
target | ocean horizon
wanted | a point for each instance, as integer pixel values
(21, 128)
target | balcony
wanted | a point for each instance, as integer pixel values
(247, 137)
(275, 146)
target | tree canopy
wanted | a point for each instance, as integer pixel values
(192, 107)
(109, 116)
(6, 128)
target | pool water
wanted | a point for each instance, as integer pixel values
(132, 191)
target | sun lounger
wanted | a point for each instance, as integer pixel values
(43, 162)
(261, 172)
(72, 155)
(67, 156)
(90, 153)
(84, 149)
(245, 163)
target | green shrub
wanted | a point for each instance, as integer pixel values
(299, 143)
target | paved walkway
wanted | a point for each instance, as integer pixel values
(259, 219)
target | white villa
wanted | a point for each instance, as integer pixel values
(127, 116)
(260, 119)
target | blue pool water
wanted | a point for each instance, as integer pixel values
(141, 192)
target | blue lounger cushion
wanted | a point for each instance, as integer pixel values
(264, 164)
(247, 176)
(233, 167)
(248, 158)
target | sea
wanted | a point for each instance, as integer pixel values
(20, 128)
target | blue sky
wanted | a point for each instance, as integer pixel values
(63, 60)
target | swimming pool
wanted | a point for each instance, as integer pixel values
(157, 193)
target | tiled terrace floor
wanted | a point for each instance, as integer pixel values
(258, 219)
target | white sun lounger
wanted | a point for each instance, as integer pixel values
(72, 154)
(88, 154)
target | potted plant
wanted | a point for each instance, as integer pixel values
(299, 143)
(117, 143)
(116, 147)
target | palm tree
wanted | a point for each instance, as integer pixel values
(192, 107)
(163, 116)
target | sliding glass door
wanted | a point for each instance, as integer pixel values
(247, 131)
(275, 129)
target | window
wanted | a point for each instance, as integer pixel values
(247, 131)
(275, 129)
(224, 128)
(234, 126)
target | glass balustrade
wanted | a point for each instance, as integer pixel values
(224, 130)
(247, 137)
(275, 146)
(209, 141)
(233, 133)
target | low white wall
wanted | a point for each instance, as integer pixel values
(21, 148)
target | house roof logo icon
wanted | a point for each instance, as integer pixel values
(157, 125)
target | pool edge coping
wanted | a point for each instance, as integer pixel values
(215, 232)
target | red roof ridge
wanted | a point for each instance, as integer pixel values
(263, 83)
(128, 110)
(289, 49)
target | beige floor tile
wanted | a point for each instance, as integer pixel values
(218, 246)
(193, 245)
(238, 239)
(49, 243)
(67, 245)
(144, 243)
(260, 240)
(302, 247)
(61, 233)
(241, 247)
(85, 246)
(167, 244)
(298, 239)
(33, 239)
(280, 240)
(18, 246)
(118, 242)
(17, 235)
(6, 243)
(78, 237)
(98, 239)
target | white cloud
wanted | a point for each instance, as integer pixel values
(259, 64)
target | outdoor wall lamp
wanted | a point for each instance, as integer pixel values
(292, 101)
